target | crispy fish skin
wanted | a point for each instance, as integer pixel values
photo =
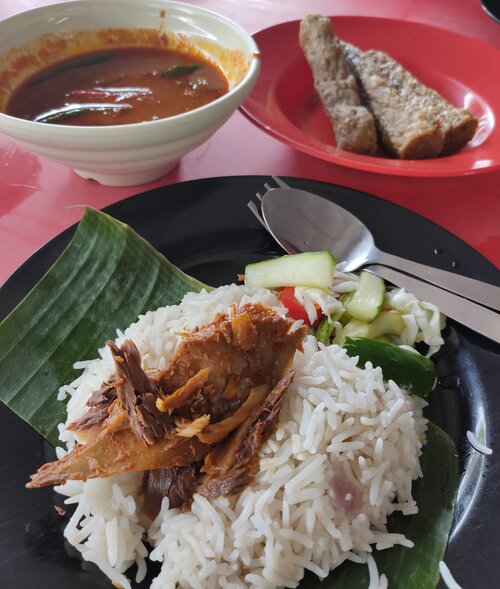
(414, 121)
(336, 86)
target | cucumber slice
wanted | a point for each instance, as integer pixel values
(365, 302)
(410, 370)
(313, 269)
(386, 323)
(345, 317)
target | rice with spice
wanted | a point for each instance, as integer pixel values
(342, 459)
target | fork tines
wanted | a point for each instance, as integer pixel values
(256, 208)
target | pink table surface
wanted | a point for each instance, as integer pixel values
(37, 197)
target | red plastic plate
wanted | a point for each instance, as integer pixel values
(465, 71)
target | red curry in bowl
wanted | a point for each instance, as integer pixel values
(116, 86)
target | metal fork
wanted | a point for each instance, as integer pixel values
(256, 207)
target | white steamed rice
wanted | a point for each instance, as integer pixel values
(336, 418)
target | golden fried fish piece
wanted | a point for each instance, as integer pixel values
(219, 377)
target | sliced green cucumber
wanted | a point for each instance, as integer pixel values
(313, 269)
(346, 316)
(386, 323)
(409, 370)
(365, 302)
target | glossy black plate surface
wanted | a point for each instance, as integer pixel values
(492, 8)
(206, 229)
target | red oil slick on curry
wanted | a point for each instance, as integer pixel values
(116, 86)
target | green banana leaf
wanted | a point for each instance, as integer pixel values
(103, 280)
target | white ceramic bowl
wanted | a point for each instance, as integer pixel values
(125, 155)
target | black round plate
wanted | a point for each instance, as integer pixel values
(492, 8)
(205, 228)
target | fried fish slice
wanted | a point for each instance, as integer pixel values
(183, 394)
(336, 86)
(232, 465)
(246, 351)
(238, 351)
(138, 394)
(414, 121)
(214, 433)
(119, 451)
(178, 483)
(98, 408)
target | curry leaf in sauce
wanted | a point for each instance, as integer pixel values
(180, 70)
(84, 61)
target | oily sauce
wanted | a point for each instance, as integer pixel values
(118, 86)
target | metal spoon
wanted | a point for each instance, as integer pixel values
(302, 221)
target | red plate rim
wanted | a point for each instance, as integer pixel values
(279, 42)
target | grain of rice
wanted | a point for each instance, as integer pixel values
(305, 474)
(477, 445)
(328, 524)
(447, 576)
(373, 571)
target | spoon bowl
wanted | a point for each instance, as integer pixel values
(308, 224)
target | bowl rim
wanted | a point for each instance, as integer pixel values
(174, 120)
